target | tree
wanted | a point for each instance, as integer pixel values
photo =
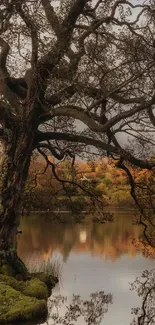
(145, 287)
(92, 311)
(84, 60)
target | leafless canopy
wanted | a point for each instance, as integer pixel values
(79, 60)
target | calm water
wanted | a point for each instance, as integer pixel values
(94, 258)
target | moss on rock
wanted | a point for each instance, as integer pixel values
(16, 307)
(24, 300)
(32, 287)
(36, 288)
(49, 280)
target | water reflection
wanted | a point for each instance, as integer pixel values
(109, 240)
(92, 311)
(96, 258)
(145, 287)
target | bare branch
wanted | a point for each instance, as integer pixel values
(97, 4)
(30, 23)
(58, 155)
(51, 59)
(57, 98)
(5, 15)
(40, 136)
(65, 181)
(5, 48)
(51, 16)
(151, 115)
(79, 114)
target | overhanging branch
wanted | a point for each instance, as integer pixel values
(40, 137)
(65, 181)
(89, 119)
(58, 155)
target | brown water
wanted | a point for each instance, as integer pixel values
(94, 258)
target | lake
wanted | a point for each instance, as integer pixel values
(92, 258)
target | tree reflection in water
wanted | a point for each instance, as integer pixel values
(91, 310)
(145, 287)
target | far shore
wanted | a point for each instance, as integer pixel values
(107, 208)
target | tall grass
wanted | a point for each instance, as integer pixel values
(50, 267)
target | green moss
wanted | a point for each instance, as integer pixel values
(49, 280)
(15, 306)
(23, 300)
(35, 288)
(32, 287)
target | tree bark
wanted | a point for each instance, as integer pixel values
(14, 169)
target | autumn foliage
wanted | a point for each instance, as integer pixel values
(108, 182)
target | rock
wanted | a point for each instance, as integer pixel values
(16, 306)
(23, 298)
(49, 280)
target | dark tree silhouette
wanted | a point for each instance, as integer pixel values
(84, 60)
(91, 310)
(145, 287)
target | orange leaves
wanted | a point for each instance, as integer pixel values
(110, 181)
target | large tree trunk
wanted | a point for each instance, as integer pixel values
(14, 169)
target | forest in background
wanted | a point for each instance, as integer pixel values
(99, 177)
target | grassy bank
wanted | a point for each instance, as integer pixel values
(23, 298)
